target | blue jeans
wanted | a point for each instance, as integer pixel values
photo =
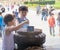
(52, 31)
(44, 17)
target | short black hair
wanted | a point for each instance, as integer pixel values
(8, 18)
(23, 8)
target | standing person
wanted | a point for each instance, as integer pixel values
(8, 8)
(58, 21)
(44, 14)
(51, 22)
(1, 23)
(10, 28)
(16, 13)
(23, 10)
(51, 10)
(38, 9)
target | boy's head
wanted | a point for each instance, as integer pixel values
(9, 19)
(23, 11)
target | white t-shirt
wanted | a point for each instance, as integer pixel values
(8, 41)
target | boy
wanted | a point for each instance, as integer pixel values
(51, 22)
(44, 13)
(8, 40)
(23, 10)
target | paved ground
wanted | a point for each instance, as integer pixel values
(52, 42)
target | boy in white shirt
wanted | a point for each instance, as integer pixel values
(8, 40)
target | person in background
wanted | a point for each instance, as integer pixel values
(44, 14)
(51, 22)
(38, 9)
(10, 28)
(58, 21)
(12, 7)
(8, 7)
(1, 23)
(23, 10)
(51, 10)
(16, 13)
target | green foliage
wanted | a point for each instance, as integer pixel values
(56, 5)
(41, 2)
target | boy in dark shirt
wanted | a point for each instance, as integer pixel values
(23, 10)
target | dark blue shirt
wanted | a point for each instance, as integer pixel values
(21, 20)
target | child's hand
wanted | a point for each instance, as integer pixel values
(27, 21)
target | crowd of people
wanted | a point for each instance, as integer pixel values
(12, 22)
(45, 11)
(48, 15)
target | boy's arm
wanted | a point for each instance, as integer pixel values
(14, 28)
